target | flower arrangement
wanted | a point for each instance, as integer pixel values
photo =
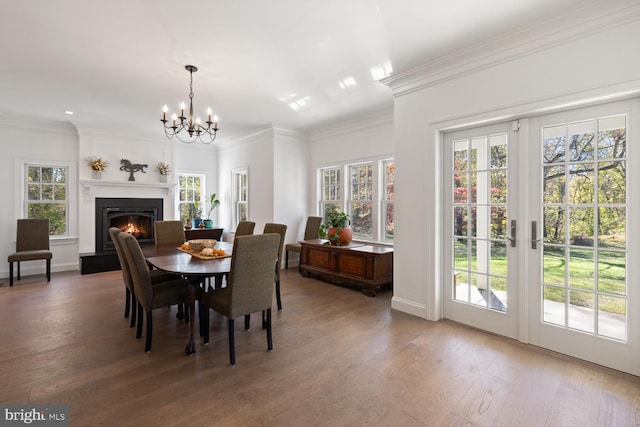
(163, 168)
(97, 163)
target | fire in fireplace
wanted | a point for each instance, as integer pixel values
(134, 216)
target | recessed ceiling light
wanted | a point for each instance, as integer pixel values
(347, 82)
(294, 106)
(69, 112)
(379, 72)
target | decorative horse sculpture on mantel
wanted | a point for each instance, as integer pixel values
(126, 165)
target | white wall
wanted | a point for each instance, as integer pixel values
(291, 182)
(256, 152)
(598, 64)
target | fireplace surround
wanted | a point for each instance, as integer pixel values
(133, 215)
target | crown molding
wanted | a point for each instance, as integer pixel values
(21, 122)
(577, 23)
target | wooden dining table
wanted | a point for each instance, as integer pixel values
(193, 268)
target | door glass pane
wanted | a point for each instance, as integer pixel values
(553, 305)
(581, 273)
(612, 272)
(553, 265)
(612, 313)
(581, 313)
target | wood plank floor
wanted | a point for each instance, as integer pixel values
(340, 359)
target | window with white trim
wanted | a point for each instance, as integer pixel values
(240, 196)
(46, 195)
(368, 198)
(190, 195)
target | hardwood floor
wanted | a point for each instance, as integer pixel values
(339, 359)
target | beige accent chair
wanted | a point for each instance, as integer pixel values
(169, 233)
(149, 296)
(245, 228)
(250, 286)
(32, 243)
(280, 229)
(310, 232)
(157, 276)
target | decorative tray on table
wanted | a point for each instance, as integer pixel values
(202, 253)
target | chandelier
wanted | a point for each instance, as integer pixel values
(182, 126)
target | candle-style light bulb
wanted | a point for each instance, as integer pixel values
(215, 121)
(174, 117)
(164, 112)
(197, 120)
(182, 107)
(209, 112)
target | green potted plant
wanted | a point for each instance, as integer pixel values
(337, 228)
(213, 203)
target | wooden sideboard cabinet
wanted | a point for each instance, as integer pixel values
(204, 233)
(360, 264)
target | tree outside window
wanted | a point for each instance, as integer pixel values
(47, 196)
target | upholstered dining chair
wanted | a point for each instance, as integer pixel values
(157, 276)
(250, 286)
(280, 229)
(169, 233)
(32, 243)
(245, 228)
(310, 232)
(149, 296)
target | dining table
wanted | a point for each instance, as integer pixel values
(195, 268)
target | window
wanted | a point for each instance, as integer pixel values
(240, 196)
(46, 196)
(368, 199)
(388, 192)
(331, 190)
(191, 190)
(360, 203)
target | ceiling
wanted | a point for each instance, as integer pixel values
(116, 63)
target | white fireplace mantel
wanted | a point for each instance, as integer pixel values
(89, 184)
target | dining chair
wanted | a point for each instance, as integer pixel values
(250, 286)
(310, 232)
(157, 276)
(280, 229)
(149, 296)
(32, 243)
(245, 228)
(169, 233)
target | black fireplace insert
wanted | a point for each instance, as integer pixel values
(134, 216)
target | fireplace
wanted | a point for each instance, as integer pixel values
(134, 216)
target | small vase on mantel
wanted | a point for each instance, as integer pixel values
(96, 174)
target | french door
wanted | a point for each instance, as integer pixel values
(538, 237)
(481, 215)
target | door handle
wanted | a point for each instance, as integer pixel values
(534, 234)
(512, 233)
